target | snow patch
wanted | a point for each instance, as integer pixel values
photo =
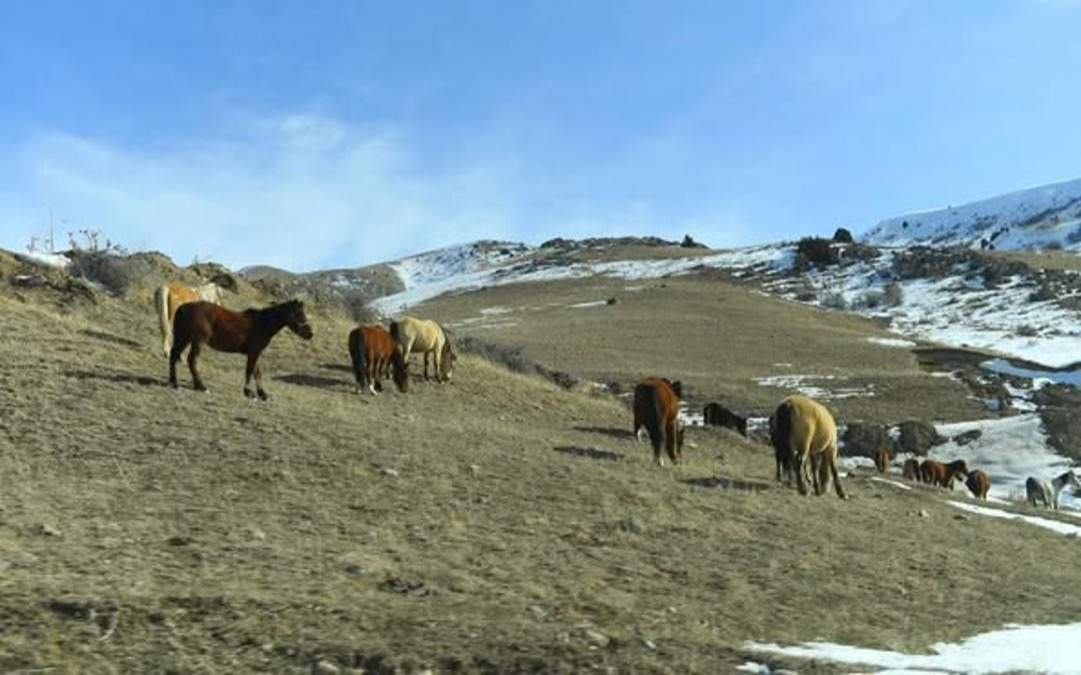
(891, 342)
(1046, 523)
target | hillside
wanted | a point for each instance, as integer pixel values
(1048, 216)
(497, 524)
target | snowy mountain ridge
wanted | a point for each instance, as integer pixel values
(1048, 216)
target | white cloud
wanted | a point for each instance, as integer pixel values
(302, 191)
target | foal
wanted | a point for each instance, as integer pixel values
(248, 332)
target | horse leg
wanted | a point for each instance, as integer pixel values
(437, 359)
(801, 469)
(193, 358)
(831, 460)
(671, 435)
(259, 382)
(249, 370)
(425, 366)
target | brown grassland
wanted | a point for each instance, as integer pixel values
(495, 524)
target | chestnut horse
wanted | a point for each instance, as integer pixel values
(804, 431)
(978, 484)
(911, 469)
(248, 332)
(656, 407)
(371, 349)
(942, 475)
(882, 459)
(168, 297)
(427, 337)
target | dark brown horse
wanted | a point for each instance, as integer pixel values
(715, 414)
(942, 475)
(978, 484)
(882, 459)
(248, 332)
(911, 469)
(372, 349)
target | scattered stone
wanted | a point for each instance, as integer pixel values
(324, 667)
(862, 439)
(267, 647)
(355, 570)
(917, 437)
(923, 514)
(597, 638)
(611, 301)
(256, 533)
(474, 469)
(631, 524)
(650, 645)
(48, 530)
(179, 541)
(960, 516)
(968, 437)
(393, 473)
(537, 611)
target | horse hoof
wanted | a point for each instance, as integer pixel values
(263, 396)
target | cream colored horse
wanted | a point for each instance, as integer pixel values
(168, 297)
(806, 430)
(427, 337)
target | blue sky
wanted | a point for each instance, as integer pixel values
(317, 134)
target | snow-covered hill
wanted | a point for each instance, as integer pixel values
(1041, 217)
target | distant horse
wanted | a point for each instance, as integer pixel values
(806, 432)
(978, 484)
(1038, 489)
(911, 469)
(882, 459)
(248, 332)
(168, 297)
(428, 337)
(656, 408)
(715, 414)
(942, 475)
(372, 351)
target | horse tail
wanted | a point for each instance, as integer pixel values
(648, 412)
(358, 354)
(780, 433)
(161, 304)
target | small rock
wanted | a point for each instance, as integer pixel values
(324, 667)
(537, 611)
(474, 469)
(355, 570)
(650, 645)
(631, 524)
(960, 516)
(48, 530)
(923, 514)
(267, 647)
(393, 473)
(692, 445)
(611, 301)
(597, 638)
(256, 533)
(179, 541)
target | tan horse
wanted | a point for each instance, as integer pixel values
(807, 430)
(168, 297)
(427, 337)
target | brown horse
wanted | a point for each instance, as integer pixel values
(248, 332)
(371, 349)
(942, 475)
(882, 459)
(911, 469)
(978, 484)
(169, 297)
(656, 407)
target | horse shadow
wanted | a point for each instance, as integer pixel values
(613, 432)
(113, 339)
(316, 381)
(336, 366)
(589, 453)
(724, 483)
(120, 378)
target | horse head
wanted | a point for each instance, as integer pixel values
(400, 370)
(297, 320)
(447, 360)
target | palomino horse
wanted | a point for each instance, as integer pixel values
(248, 332)
(371, 348)
(656, 407)
(1047, 491)
(978, 484)
(168, 297)
(942, 475)
(807, 433)
(427, 337)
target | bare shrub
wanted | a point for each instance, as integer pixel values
(869, 300)
(894, 294)
(834, 300)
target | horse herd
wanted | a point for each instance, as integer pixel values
(802, 431)
(803, 434)
(194, 318)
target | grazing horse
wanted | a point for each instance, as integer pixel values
(248, 332)
(715, 414)
(168, 297)
(882, 459)
(978, 484)
(656, 407)
(1038, 489)
(911, 469)
(804, 430)
(428, 337)
(942, 475)
(371, 349)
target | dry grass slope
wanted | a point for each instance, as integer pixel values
(498, 524)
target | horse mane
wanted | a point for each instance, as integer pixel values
(395, 331)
